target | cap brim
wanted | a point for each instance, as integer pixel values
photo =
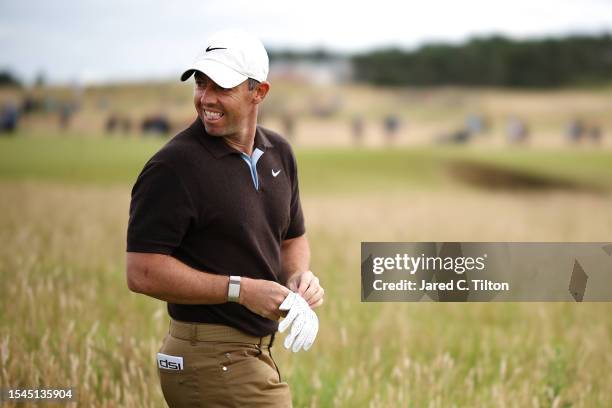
(223, 76)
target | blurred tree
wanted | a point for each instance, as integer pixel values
(493, 61)
(8, 79)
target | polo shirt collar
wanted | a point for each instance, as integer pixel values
(219, 148)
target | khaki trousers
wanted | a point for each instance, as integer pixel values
(210, 365)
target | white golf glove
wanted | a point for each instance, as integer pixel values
(305, 323)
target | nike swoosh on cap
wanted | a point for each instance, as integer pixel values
(209, 48)
(275, 173)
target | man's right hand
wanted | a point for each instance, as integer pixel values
(262, 297)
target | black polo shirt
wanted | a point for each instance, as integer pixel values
(195, 200)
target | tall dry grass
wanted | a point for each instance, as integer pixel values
(67, 318)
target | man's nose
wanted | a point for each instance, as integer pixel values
(209, 95)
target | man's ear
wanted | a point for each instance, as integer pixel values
(260, 92)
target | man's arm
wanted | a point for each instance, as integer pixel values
(295, 257)
(296, 274)
(166, 278)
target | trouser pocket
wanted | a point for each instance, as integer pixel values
(178, 375)
(252, 377)
(180, 389)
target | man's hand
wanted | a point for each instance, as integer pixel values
(262, 297)
(306, 284)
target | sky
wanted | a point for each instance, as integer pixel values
(113, 40)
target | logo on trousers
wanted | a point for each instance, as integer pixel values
(169, 362)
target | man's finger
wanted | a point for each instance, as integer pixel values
(305, 280)
(317, 303)
(312, 289)
(316, 296)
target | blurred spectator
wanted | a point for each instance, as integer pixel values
(458, 136)
(288, 120)
(9, 118)
(595, 133)
(65, 114)
(357, 130)
(326, 108)
(118, 123)
(29, 104)
(126, 125)
(111, 123)
(575, 130)
(155, 124)
(517, 130)
(391, 124)
(476, 124)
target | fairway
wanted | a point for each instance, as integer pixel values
(67, 318)
(117, 161)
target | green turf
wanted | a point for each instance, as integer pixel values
(592, 167)
(99, 160)
(74, 159)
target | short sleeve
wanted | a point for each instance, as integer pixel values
(161, 211)
(296, 223)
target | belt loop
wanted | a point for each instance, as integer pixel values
(194, 334)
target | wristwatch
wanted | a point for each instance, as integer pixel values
(233, 290)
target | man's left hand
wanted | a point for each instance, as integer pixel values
(306, 284)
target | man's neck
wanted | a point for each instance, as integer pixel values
(244, 140)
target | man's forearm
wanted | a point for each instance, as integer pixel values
(295, 257)
(166, 278)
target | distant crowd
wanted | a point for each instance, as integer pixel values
(517, 130)
(11, 114)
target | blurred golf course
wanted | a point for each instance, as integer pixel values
(67, 318)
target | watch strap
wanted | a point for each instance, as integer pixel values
(233, 290)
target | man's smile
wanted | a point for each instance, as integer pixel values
(212, 116)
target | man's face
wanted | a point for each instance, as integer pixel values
(224, 111)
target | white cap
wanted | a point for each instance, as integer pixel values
(230, 57)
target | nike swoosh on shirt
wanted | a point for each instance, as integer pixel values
(275, 173)
(209, 48)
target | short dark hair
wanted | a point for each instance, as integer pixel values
(252, 83)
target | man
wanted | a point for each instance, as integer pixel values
(216, 230)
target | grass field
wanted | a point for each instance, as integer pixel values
(68, 319)
(108, 161)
